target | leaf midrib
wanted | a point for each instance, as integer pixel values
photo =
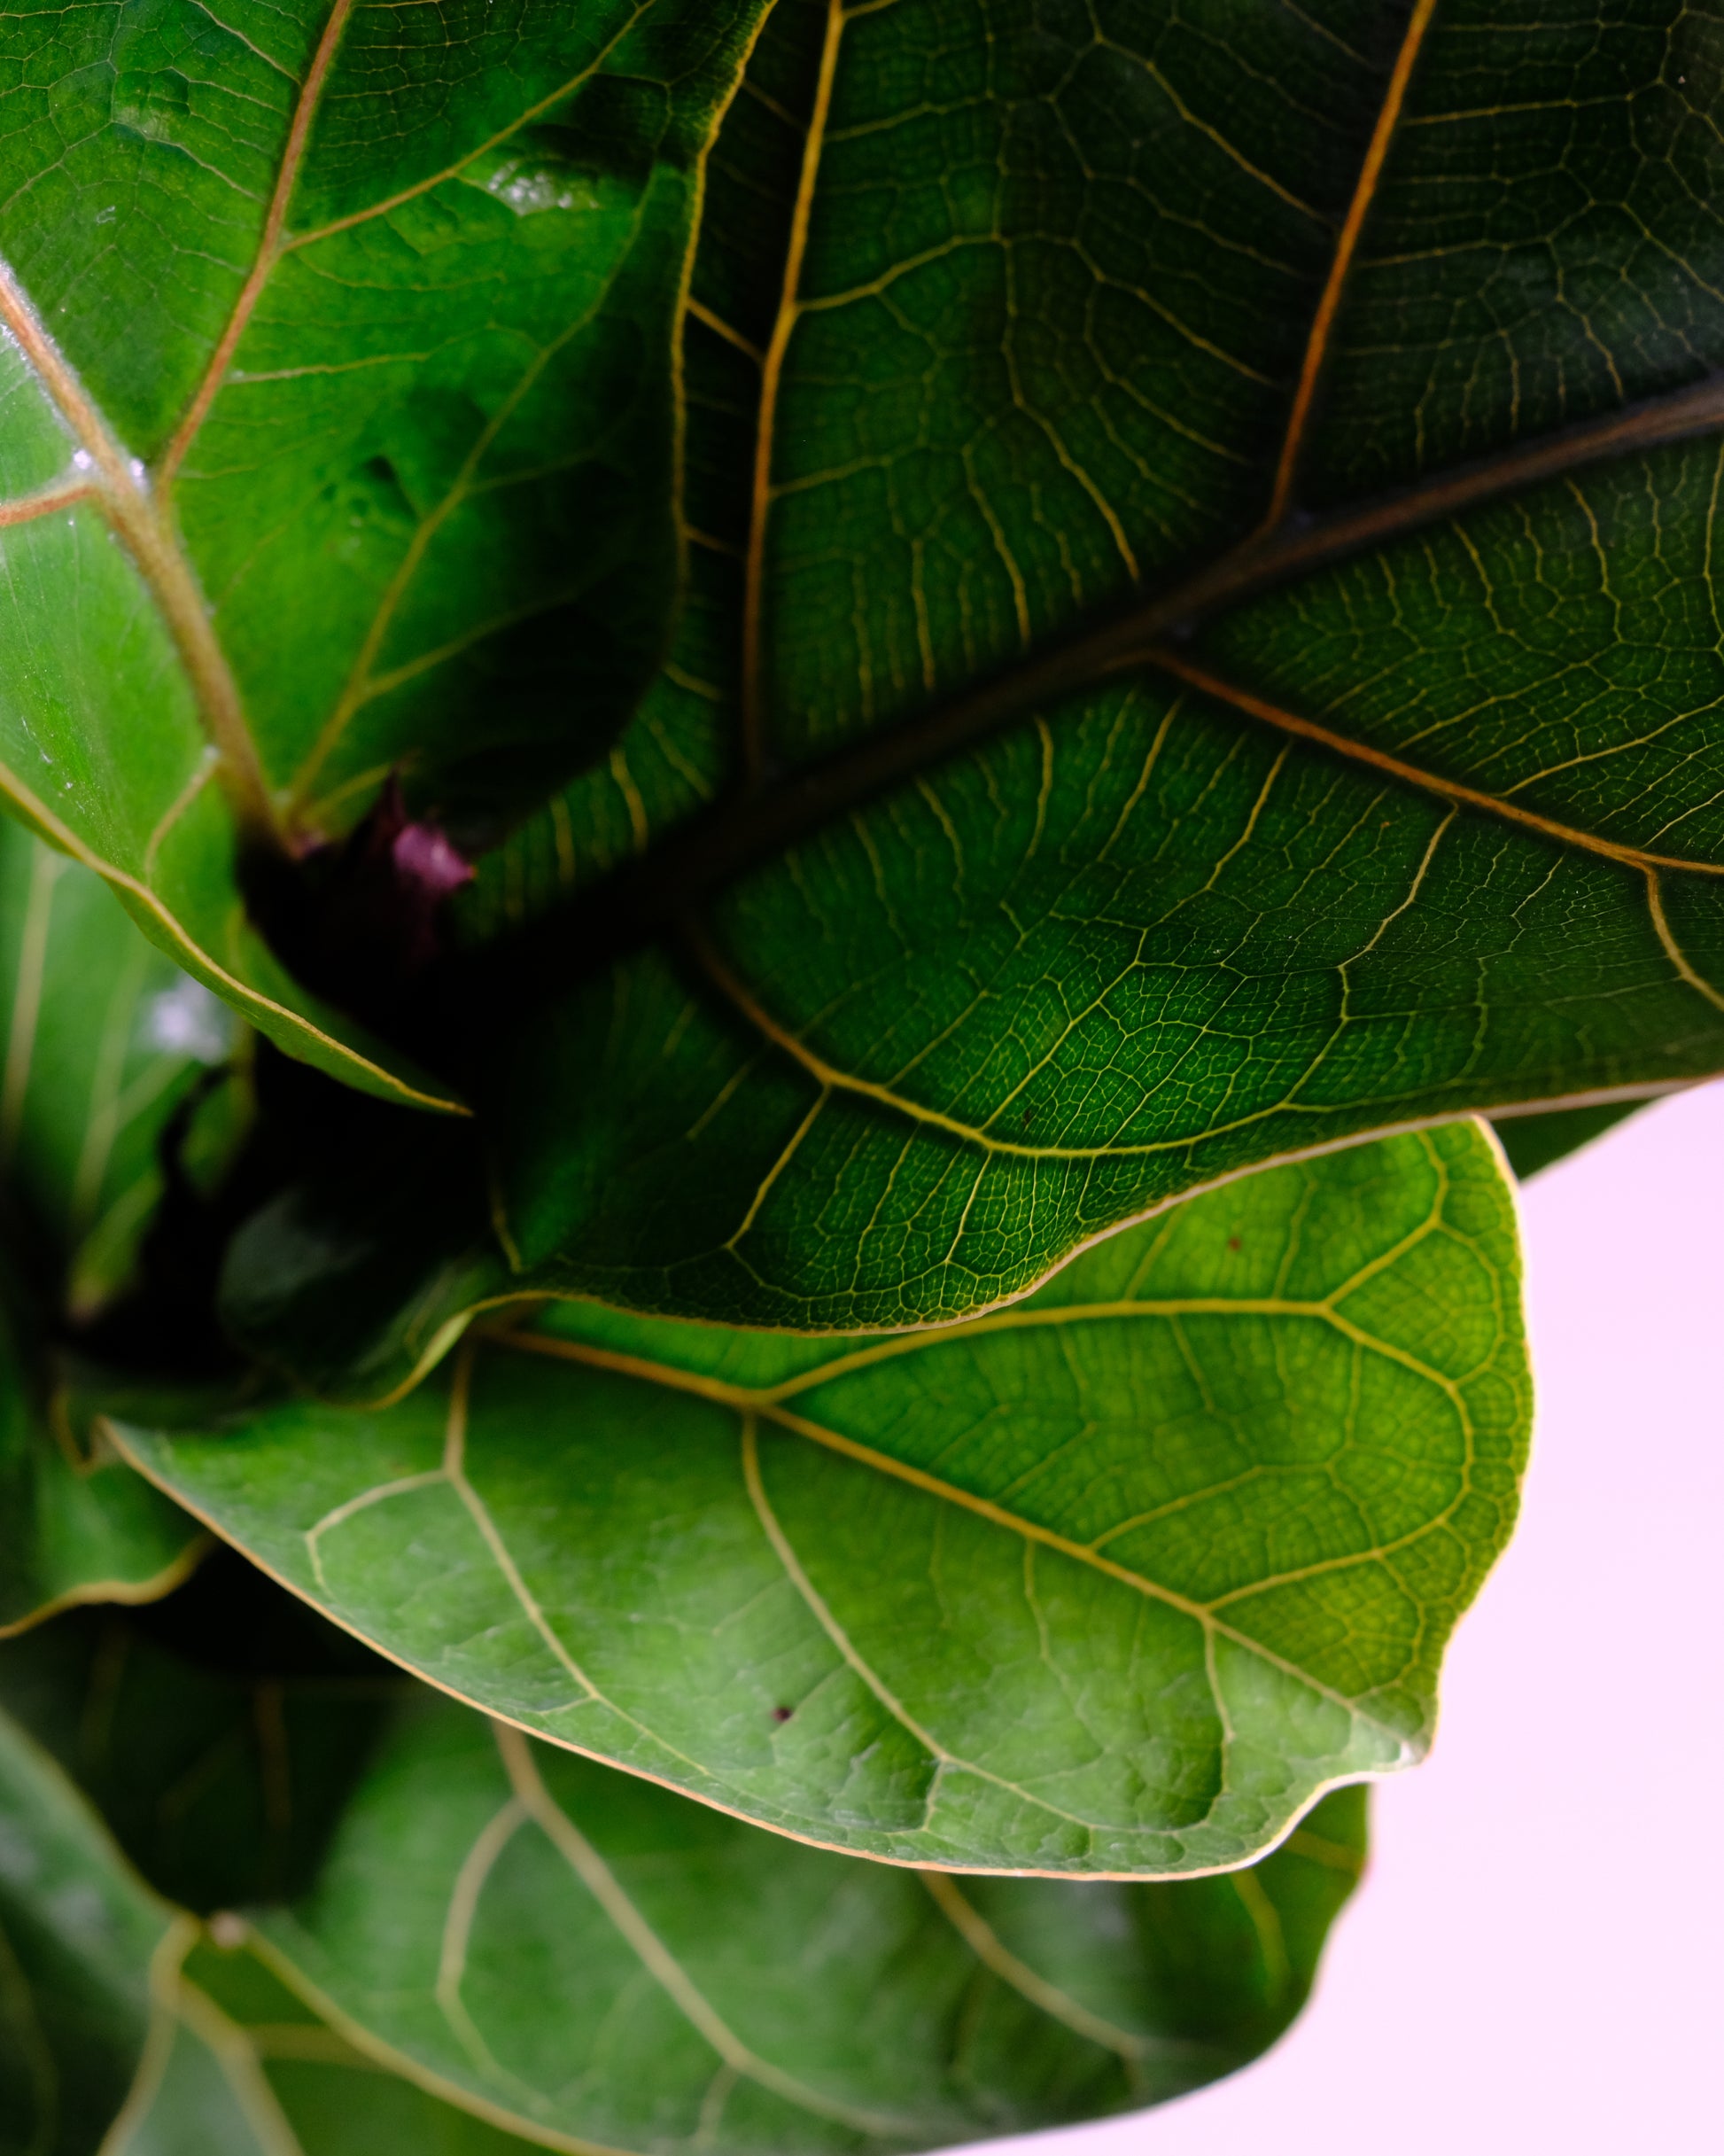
(666, 881)
(698, 859)
(139, 506)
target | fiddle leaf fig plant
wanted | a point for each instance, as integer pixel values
(806, 804)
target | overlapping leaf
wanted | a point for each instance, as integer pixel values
(600, 1961)
(1117, 1580)
(104, 1041)
(1200, 641)
(353, 325)
(111, 2034)
(587, 1960)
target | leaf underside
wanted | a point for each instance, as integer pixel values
(1187, 552)
(1116, 1581)
(584, 1959)
(1270, 580)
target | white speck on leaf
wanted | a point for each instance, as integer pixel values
(187, 1020)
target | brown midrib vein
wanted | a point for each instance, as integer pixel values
(1364, 192)
(1217, 686)
(689, 865)
(126, 501)
(753, 744)
(268, 247)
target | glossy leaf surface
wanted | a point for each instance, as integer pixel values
(335, 426)
(1117, 1580)
(105, 1040)
(1200, 631)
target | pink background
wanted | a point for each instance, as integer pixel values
(1536, 1960)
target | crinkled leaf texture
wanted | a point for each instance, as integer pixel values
(1117, 1580)
(336, 427)
(582, 1959)
(105, 1040)
(1199, 642)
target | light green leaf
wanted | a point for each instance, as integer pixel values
(1200, 645)
(1116, 1580)
(337, 423)
(596, 1960)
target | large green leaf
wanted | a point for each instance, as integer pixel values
(588, 1960)
(596, 1960)
(1199, 643)
(1117, 1580)
(105, 1040)
(354, 324)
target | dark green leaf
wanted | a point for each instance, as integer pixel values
(1200, 634)
(353, 325)
(1116, 1580)
(80, 1940)
(105, 1040)
(74, 1527)
(1533, 1142)
(219, 1745)
(112, 2043)
(317, 2094)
